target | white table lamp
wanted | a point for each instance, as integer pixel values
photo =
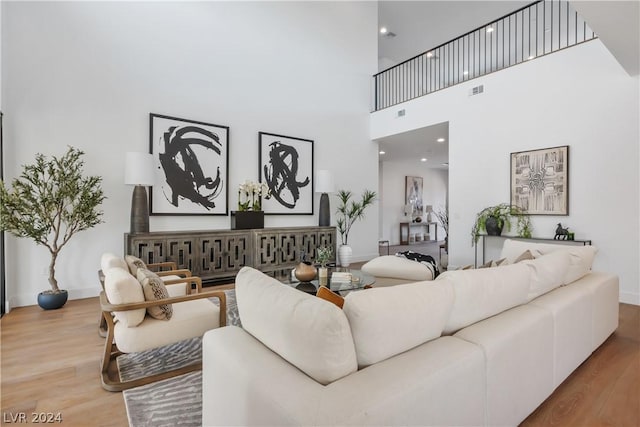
(138, 171)
(324, 185)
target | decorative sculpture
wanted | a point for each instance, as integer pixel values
(561, 233)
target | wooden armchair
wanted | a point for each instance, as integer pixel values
(168, 271)
(193, 315)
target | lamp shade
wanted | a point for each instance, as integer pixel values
(429, 209)
(138, 169)
(324, 182)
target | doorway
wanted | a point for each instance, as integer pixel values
(419, 155)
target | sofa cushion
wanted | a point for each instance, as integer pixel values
(310, 333)
(581, 256)
(134, 264)
(109, 260)
(154, 289)
(398, 267)
(122, 288)
(547, 273)
(483, 293)
(388, 321)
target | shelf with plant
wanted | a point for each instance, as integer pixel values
(493, 219)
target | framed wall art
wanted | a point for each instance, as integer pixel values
(191, 161)
(413, 193)
(286, 166)
(540, 181)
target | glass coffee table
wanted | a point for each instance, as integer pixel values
(359, 280)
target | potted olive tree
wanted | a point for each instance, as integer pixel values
(50, 202)
(494, 219)
(349, 212)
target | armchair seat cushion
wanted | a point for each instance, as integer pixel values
(190, 319)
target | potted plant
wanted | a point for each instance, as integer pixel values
(323, 256)
(349, 212)
(249, 213)
(493, 219)
(443, 217)
(50, 202)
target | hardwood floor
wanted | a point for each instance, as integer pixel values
(50, 363)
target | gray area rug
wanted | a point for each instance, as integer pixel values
(176, 401)
(173, 402)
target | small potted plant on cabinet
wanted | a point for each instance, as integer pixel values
(50, 202)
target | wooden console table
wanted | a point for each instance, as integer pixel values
(405, 228)
(220, 254)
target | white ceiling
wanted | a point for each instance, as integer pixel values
(418, 144)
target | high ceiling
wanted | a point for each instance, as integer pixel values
(421, 25)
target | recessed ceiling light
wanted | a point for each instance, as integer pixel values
(424, 159)
(490, 30)
(465, 72)
(382, 152)
(383, 30)
(440, 140)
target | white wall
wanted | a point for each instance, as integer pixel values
(89, 73)
(579, 97)
(393, 173)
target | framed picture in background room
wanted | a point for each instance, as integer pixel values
(540, 181)
(191, 163)
(286, 166)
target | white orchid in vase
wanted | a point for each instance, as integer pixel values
(250, 195)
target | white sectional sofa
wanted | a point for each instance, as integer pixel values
(478, 347)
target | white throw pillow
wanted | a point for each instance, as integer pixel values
(122, 288)
(581, 257)
(109, 260)
(480, 294)
(388, 321)
(310, 333)
(397, 267)
(547, 272)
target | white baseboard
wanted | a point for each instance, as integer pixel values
(25, 300)
(630, 298)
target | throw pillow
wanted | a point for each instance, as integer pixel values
(134, 263)
(525, 256)
(154, 289)
(423, 259)
(326, 294)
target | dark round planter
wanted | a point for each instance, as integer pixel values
(49, 301)
(493, 229)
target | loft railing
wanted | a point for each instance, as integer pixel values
(533, 31)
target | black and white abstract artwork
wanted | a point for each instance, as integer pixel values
(540, 181)
(191, 167)
(286, 166)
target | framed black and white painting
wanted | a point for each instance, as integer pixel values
(413, 193)
(540, 181)
(286, 166)
(191, 161)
